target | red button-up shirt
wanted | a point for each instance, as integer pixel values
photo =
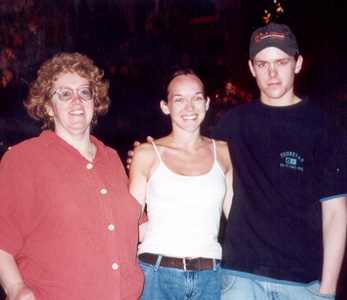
(71, 225)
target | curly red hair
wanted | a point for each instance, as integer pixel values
(49, 72)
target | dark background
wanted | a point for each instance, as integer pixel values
(139, 42)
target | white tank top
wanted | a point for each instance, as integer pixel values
(184, 212)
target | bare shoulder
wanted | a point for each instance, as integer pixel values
(222, 148)
(143, 149)
(144, 156)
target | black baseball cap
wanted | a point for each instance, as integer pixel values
(273, 35)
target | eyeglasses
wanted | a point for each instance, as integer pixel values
(66, 94)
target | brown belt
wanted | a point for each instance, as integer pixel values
(186, 264)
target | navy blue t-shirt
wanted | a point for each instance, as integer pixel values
(286, 160)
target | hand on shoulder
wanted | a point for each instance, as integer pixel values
(132, 152)
(143, 159)
(143, 149)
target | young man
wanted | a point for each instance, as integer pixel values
(286, 230)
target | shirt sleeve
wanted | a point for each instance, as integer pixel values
(333, 163)
(12, 186)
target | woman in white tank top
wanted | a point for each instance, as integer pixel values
(185, 180)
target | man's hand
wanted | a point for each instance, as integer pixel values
(131, 152)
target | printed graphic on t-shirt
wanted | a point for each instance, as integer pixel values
(292, 160)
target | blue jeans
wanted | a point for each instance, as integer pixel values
(239, 288)
(163, 283)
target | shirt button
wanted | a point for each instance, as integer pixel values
(103, 191)
(110, 227)
(89, 166)
(114, 266)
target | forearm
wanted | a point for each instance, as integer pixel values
(9, 273)
(11, 279)
(142, 231)
(334, 242)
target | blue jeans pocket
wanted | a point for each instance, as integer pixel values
(314, 288)
(146, 268)
(227, 283)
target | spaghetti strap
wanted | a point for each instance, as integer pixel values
(156, 150)
(214, 150)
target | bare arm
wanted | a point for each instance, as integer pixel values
(139, 173)
(225, 161)
(334, 240)
(229, 194)
(137, 176)
(11, 279)
(142, 231)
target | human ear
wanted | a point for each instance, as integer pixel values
(298, 64)
(207, 103)
(49, 109)
(164, 107)
(250, 64)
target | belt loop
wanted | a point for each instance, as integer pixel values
(184, 264)
(214, 265)
(156, 267)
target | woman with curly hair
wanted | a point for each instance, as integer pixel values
(68, 224)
